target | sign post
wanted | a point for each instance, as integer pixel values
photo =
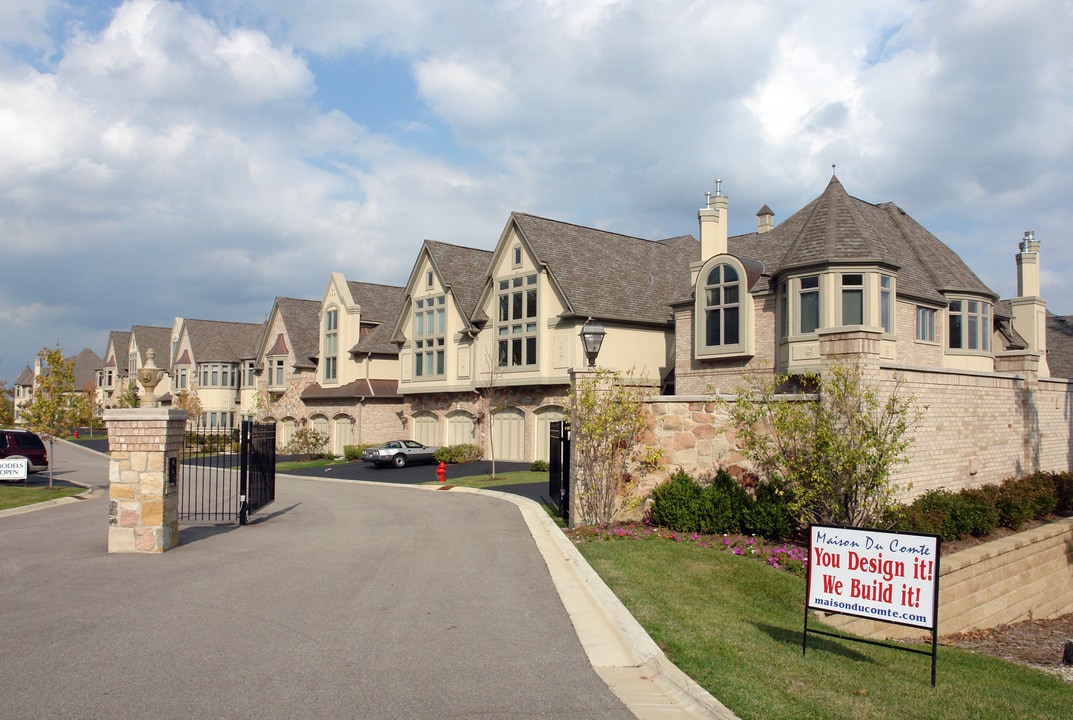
(874, 574)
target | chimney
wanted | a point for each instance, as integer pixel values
(1028, 266)
(713, 224)
(1029, 309)
(765, 220)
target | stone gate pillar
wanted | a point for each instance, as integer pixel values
(143, 498)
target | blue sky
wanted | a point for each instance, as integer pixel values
(197, 159)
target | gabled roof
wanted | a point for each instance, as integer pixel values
(380, 305)
(220, 341)
(462, 269)
(837, 228)
(607, 275)
(119, 342)
(157, 338)
(302, 320)
(84, 368)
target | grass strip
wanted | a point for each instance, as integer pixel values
(734, 625)
(12, 496)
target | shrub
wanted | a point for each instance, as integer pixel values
(352, 452)
(1040, 490)
(770, 515)
(1015, 508)
(977, 514)
(722, 507)
(675, 502)
(936, 511)
(539, 466)
(457, 454)
(1063, 491)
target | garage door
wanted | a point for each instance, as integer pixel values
(426, 429)
(342, 434)
(460, 429)
(508, 435)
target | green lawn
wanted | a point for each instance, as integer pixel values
(734, 625)
(16, 495)
(302, 464)
(519, 477)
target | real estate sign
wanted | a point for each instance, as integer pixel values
(893, 577)
(14, 469)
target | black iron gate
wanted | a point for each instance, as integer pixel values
(559, 467)
(227, 474)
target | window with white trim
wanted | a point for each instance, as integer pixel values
(925, 324)
(886, 303)
(853, 299)
(275, 372)
(516, 322)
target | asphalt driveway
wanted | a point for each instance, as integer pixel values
(344, 600)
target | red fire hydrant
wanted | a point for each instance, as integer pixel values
(441, 472)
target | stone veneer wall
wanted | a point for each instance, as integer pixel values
(143, 508)
(1021, 577)
(976, 428)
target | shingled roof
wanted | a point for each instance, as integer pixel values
(637, 278)
(119, 340)
(302, 320)
(837, 228)
(157, 338)
(220, 341)
(1060, 345)
(84, 368)
(379, 309)
(464, 270)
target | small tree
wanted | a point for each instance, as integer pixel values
(87, 405)
(607, 418)
(833, 453)
(7, 406)
(307, 441)
(52, 411)
(189, 401)
(491, 399)
(129, 398)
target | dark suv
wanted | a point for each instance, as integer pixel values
(24, 444)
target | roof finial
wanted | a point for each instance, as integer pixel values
(718, 187)
(832, 169)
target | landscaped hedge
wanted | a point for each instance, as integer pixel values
(979, 511)
(457, 454)
(720, 505)
(353, 452)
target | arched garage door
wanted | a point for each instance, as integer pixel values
(508, 435)
(426, 429)
(342, 434)
(460, 429)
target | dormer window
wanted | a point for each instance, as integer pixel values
(430, 336)
(723, 309)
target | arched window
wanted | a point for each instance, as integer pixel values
(721, 306)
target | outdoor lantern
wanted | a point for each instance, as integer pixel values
(592, 337)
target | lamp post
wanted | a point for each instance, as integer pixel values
(592, 338)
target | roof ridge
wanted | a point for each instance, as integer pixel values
(592, 229)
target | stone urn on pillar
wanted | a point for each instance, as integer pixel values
(149, 376)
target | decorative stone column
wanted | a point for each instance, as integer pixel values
(143, 494)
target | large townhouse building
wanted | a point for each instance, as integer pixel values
(330, 364)
(83, 373)
(112, 376)
(214, 360)
(502, 356)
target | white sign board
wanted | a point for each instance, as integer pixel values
(14, 469)
(893, 577)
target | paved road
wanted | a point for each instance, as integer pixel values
(344, 600)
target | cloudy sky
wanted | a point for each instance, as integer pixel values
(200, 158)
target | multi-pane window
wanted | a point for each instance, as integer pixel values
(331, 345)
(886, 300)
(275, 372)
(809, 304)
(430, 330)
(516, 322)
(970, 325)
(721, 306)
(249, 373)
(852, 300)
(180, 378)
(925, 324)
(218, 375)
